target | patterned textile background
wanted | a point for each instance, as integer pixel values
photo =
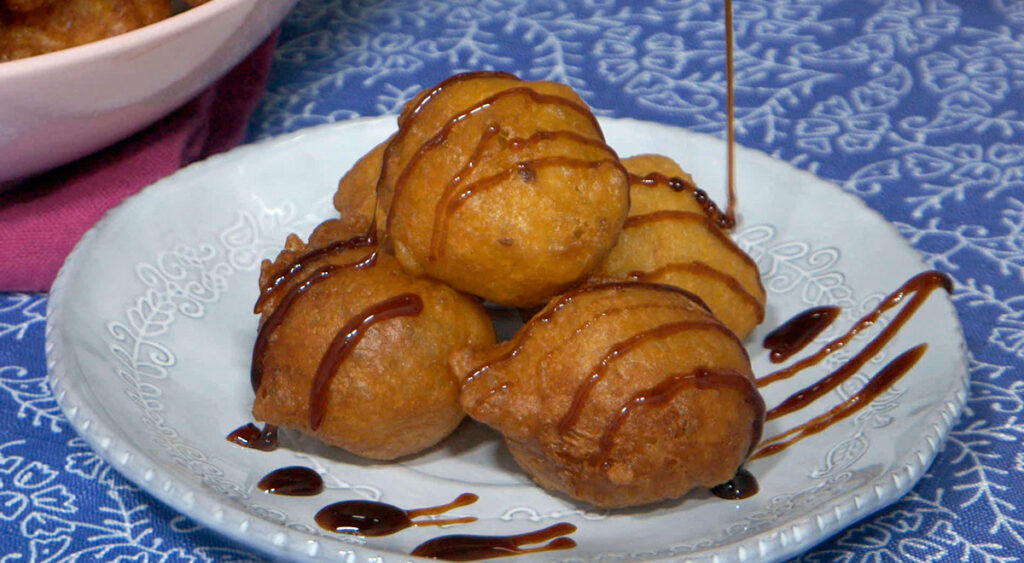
(917, 106)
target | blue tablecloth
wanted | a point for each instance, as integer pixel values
(917, 106)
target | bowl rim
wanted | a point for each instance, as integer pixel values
(103, 48)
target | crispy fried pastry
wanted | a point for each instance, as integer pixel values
(353, 350)
(67, 23)
(619, 394)
(501, 188)
(672, 236)
(356, 197)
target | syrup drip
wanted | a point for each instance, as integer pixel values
(730, 209)
(796, 333)
(294, 481)
(251, 437)
(371, 518)
(743, 485)
(346, 339)
(472, 548)
(677, 184)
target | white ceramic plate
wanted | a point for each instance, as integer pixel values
(150, 332)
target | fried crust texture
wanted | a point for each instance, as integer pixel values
(619, 394)
(501, 188)
(671, 237)
(353, 350)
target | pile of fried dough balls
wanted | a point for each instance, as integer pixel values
(628, 386)
(34, 27)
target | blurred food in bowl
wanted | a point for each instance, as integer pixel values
(106, 81)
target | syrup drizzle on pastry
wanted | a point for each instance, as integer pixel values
(702, 269)
(298, 289)
(454, 194)
(668, 388)
(439, 138)
(346, 339)
(620, 349)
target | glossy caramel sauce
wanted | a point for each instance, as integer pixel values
(301, 262)
(914, 292)
(372, 518)
(249, 436)
(677, 184)
(730, 129)
(294, 481)
(472, 548)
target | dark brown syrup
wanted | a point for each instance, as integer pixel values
(668, 388)
(730, 129)
(280, 312)
(303, 261)
(743, 485)
(371, 518)
(796, 333)
(914, 292)
(911, 295)
(294, 481)
(878, 384)
(249, 436)
(346, 339)
(473, 548)
(620, 349)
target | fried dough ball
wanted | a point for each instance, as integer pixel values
(619, 394)
(356, 196)
(501, 188)
(24, 5)
(671, 236)
(353, 350)
(67, 23)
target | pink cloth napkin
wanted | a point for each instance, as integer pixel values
(42, 219)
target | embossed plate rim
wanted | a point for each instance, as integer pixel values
(79, 405)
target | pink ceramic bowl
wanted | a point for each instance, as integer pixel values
(57, 107)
